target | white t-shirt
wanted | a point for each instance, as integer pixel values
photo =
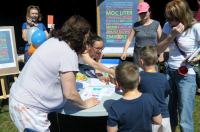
(188, 41)
(39, 84)
(80, 60)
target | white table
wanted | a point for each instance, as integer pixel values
(99, 110)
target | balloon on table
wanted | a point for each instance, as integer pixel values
(30, 33)
(38, 37)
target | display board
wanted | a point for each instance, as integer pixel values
(114, 22)
(8, 53)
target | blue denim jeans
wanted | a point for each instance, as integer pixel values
(181, 101)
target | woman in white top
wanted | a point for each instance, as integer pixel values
(48, 78)
(183, 87)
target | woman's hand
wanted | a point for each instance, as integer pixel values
(103, 78)
(30, 22)
(52, 27)
(195, 59)
(161, 58)
(91, 102)
(123, 56)
(177, 29)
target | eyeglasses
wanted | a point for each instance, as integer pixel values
(98, 48)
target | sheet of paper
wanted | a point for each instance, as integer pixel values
(96, 82)
(97, 92)
(80, 85)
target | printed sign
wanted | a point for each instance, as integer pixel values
(8, 54)
(115, 19)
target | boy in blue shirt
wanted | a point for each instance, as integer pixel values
(135, 111)
(156, 84)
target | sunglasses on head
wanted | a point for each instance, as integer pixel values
(34, 7)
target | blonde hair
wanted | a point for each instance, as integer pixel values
(28, 10)
(180, 11)
(127, 75)
(149, 55)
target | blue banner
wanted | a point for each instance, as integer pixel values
(116, 20)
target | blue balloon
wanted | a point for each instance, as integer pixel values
(30, 32)
(38, 37)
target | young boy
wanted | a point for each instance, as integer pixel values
(135, 111)
(156, 84)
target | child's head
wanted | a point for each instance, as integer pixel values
(148, 56)
(33, 12)
(127, 76)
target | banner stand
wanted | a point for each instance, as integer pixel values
(5, 86)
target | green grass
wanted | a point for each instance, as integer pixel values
(6, 124)
(197, 114)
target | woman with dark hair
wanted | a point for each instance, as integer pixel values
(48, 78)
(89, 61)
(93, 54)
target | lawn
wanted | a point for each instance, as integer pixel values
(6, 124)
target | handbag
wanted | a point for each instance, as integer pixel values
(183, 69)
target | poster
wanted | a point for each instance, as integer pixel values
(115, 19)
(8, 55)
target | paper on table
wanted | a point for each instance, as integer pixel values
(81, 84)
(92, 92)
(96, 82)
(97, 92)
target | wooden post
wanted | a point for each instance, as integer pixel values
(4, 86)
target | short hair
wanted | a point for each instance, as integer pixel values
(28, 10)
(74, 32)
(127, 75)
(149, 55)
(180, 11)
(93, 38)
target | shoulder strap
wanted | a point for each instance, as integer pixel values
(182, 52)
